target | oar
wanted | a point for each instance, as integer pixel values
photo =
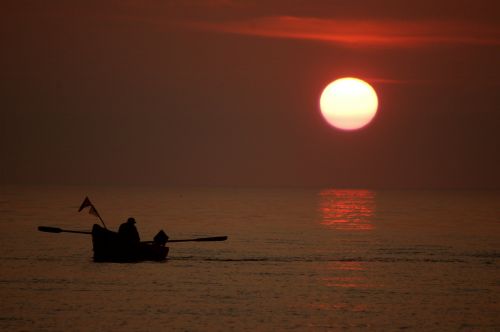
(202, 239)
(59, 230)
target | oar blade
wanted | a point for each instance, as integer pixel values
(49, 229)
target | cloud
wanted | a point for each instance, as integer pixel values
(360, 32)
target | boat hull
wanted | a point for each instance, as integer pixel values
(110, 247)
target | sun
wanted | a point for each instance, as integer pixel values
(348, 103)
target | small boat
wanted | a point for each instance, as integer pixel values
(109, 246)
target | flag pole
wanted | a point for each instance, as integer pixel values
(101, 221)
(93, 211)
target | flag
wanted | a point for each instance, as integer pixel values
(93, 211)
(86, 203)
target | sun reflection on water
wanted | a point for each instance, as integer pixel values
(346, 275)
(347, 209)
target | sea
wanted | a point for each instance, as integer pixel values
(315, 259)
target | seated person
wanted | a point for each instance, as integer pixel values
(128, 232)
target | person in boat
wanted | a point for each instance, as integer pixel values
(128, 232)
(161, 238)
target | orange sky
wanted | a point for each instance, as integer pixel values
(361, 33)
(226, 93)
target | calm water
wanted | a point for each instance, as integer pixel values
(295, 260)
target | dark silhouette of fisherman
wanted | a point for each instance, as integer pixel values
(128, 233)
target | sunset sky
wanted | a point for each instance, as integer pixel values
(226, 92)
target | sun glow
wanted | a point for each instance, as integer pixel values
(348, 103)
(344, 209)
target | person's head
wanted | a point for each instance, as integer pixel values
(131, 221)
